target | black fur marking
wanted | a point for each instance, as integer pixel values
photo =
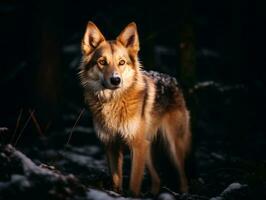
(145, 97)
(167, 89)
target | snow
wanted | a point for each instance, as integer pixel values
(105, 195)
(209, 53)
(201, 180)
(231, 187)
(219, 86)
(88, 150)
(217, 156)
(28, 166)
(3, 129)
(228, 88)
(83, 160)
(22, 181)
(217, 198)
(99, 195)
(81, 129)
(19, 180)
(31, 178)
(166, 196)
(205, 84)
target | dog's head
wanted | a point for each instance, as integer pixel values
(109, 66)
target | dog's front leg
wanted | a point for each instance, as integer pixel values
(115, 160)
(139, 151)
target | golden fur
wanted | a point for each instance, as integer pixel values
(133, 111)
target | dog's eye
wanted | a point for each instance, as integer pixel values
(122, 62)
(103, 62)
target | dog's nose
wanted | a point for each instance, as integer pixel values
(115, 80)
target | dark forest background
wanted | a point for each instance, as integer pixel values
(215, 49)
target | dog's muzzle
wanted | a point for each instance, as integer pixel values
(113, 82)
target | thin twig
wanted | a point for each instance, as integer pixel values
(17, 126)
(22, 130)
(70, 135)
(36, 123)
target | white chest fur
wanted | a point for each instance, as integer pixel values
(115, 120)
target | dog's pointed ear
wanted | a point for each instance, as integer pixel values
(92, 38)
(129, 37)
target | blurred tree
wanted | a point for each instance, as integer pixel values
(187, 45)
(47, 39)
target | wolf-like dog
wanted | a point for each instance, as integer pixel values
(131, 107)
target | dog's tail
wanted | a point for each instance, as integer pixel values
(177, 139)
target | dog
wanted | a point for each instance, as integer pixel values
(132, 107)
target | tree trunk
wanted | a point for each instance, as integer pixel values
(47, 58)
(187, 45)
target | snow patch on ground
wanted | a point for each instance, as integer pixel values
(21, 180)
(83, 160)
(232, 187)
(229, 190)
(166, 196)
(81, 129)
(221, 87)
(217, 198)
(103, 195)
(29, 167)
(217, 156)
(91, 150)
